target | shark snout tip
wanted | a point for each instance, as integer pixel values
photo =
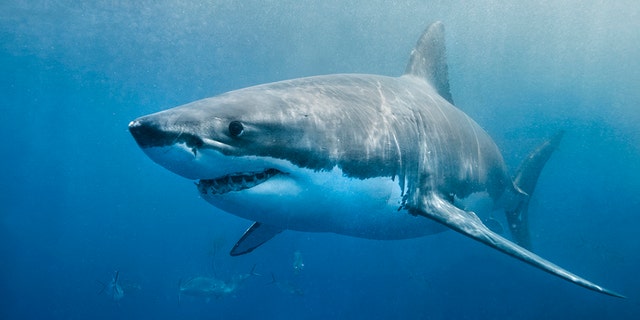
(134, 124)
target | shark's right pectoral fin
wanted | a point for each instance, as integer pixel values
(467, 223)
(254, 237)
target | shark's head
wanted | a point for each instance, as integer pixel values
(235, 141)
(269, 152)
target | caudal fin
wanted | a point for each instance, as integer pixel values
(525, 180)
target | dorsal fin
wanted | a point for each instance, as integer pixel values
(428, 60)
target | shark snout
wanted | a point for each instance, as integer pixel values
(149, 133)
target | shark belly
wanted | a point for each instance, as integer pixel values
(304, 199)
(328, 201)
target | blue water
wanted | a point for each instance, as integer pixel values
(79, 200)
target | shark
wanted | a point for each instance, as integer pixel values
(361, 155)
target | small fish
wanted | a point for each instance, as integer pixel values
(210, 287)
(298, 263)
(113, 290)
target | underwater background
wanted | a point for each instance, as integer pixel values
(79, 200)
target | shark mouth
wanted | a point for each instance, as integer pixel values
(235, 182)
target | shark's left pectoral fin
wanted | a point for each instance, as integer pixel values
(254, 237)
(467, 223)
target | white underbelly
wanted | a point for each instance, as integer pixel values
(306, 200)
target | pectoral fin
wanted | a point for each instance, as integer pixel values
(254, 237)
(469, 224)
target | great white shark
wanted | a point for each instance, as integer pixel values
(362, 155)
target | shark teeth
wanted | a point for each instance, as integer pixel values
(235, 182)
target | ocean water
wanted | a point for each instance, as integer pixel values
(79, 200)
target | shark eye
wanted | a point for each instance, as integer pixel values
(236, 128)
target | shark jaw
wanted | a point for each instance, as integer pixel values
(216, 174)
(235, 182)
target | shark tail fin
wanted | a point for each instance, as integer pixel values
(428, 60)
(524, 182)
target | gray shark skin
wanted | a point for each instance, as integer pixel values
(361, 155)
